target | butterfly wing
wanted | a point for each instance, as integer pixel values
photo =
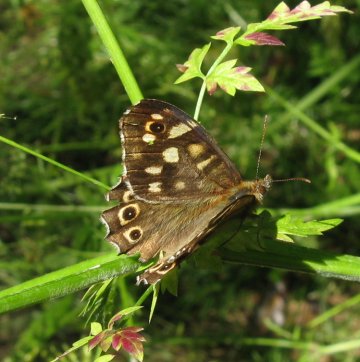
(177, 185)
(168, 156)
(148, 228)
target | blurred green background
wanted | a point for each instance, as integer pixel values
(57, 80)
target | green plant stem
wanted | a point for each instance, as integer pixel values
(200, 100)
(315, 127)
(116, 54)
(330, 313)
(144, 296)
(67, 280)
(51, 161)
(203, 86)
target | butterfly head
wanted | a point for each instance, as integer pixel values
(256, 189)
(260, 187)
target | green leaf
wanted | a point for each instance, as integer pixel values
(267, 25)
(261, 38)
(156, 288)
(82, 342)
(123, 313)
(227, 34)
(290, 225)
(192, 67)
(281, 18)
(231, 78)
(303, 12)
(95, 329)
(105, 358)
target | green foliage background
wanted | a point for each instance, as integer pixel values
(56, 79)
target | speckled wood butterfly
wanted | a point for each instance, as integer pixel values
(177, 186)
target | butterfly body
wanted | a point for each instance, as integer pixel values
(177, 187)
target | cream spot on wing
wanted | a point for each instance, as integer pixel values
(127, 196)
(179, 130)
(148, 138)
(154, 170)
(171, 155)
(201, 165)
(196, 149)
(156, 116)
(133, 235)
(180, 185)
(155, 187)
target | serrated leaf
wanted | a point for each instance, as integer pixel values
(227, 34)
(282, 16)
(280, 11)
(284, 237)
(290, 225)
(261, 38)
(231, 79)
(192, 67)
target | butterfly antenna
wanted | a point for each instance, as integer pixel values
(303, 179)
(266, 120)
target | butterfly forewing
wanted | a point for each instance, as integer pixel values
(169, 157)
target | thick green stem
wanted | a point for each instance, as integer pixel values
(116, 54)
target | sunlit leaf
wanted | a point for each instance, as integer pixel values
(227, 34)
(231, 78)
(96, 328)
(261, 38)
(290, 225)
(121, 314)
(105, 358)
(192, 67)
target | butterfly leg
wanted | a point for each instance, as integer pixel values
(155, 273)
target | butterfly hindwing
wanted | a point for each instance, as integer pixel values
(137, 226)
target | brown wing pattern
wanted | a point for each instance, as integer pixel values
(168, 156)
(177, 185)
(148, 228)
